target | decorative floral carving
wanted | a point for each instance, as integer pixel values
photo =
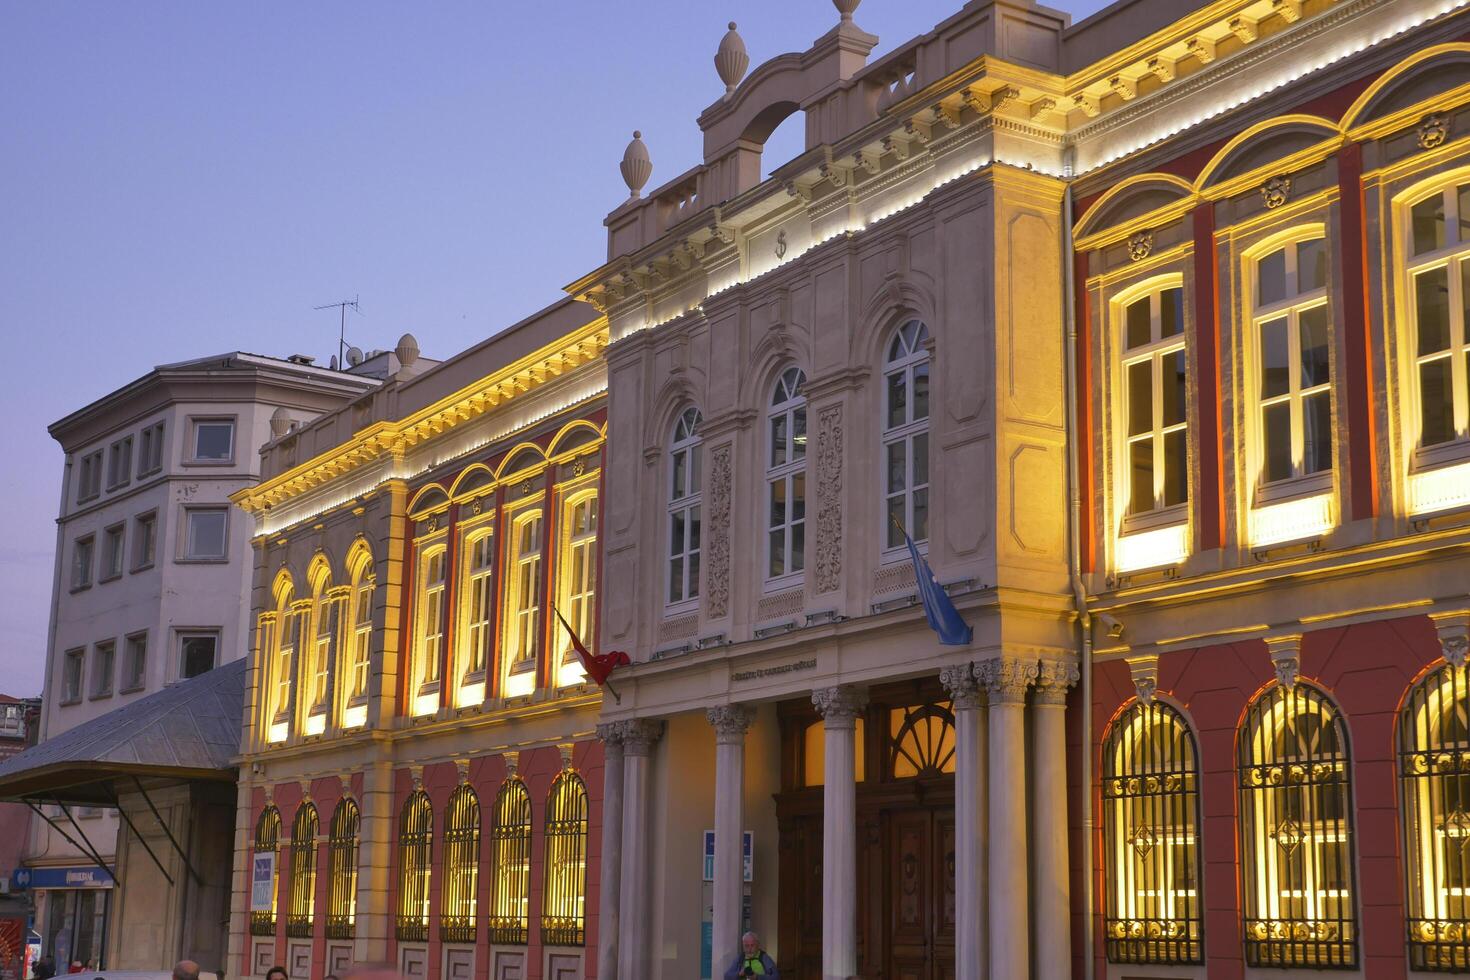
(1053, 679)
(1145, 672)
(1434, 130)
(840, 704)
(1276, 191)
(1286, 657)
(717, 569)
(730, 721)
(964, 690)
(1140, 245)
(829, 499)
(1007, 678)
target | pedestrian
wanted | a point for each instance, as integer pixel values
(752, 961)
(44, 969)
(186, 970)
(277, 973)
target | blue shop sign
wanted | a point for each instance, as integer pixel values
(88, 876)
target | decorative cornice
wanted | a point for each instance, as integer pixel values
(965, 691)
(730, 721)
(841, 705)
(1006, 678)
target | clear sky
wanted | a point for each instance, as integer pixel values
(181, 178)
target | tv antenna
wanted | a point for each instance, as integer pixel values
(344, 306)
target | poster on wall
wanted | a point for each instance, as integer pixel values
(747, 855)
(262, 882)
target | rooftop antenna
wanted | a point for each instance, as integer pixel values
(344, 306)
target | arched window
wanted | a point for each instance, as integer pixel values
(478, 604)
(578, 560)
(786, 477)
(300, 918)
(268, 841)
(906, 435)
(684, 499)
(363, 581)
(1296, 831)
(511, 859)
(1434, 767)
(563, 907)
(1150, 789)
(342, 871)
(325, 612)
(1155, 412)
(1438, 246)
(923, 740)
(461, 867)
(283, 663)
(415, 847)
(523, 602)
(429, 650)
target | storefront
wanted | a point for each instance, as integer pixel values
(71, 913)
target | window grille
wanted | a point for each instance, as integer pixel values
(342, 871)
(461, 867)
(923, 740)
(300, 916)
(415, 846)
(563, 909)
(267, 838)
(1434, 769)
(1296, 831)
(511, 854)
(1150, 789)
(906, 435)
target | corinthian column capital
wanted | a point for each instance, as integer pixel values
(965, 691)
(610, 733)
(840, 705)
(1006, 679)
(730, 721)
(639, 734)
(1053, 679)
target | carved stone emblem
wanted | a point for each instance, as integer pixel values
(781, 244)
(476, 507)
(432, 524)
(1434, 130)
(829, 499)
(1276, 191)
(717, 571)
(526, 487)
(579, 467)
(1140, 245)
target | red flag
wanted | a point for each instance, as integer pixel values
(597, 666)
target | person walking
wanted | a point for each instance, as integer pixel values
(752, 961)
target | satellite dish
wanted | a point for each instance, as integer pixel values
(354, 356)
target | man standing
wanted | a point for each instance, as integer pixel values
(186, 970)
(752, 961)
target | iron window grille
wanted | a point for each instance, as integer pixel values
(1150, 789)
(300, 917)
(267, 838)
(342, 871)
(1434, 774)
(511, 853)
(415, 847)
(563, 908)
(1296, 831)
(461, 867)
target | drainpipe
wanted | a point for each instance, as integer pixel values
(1079, 593)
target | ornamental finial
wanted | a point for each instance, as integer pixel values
(731, 59)
(636, 166)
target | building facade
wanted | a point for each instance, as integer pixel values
(420, 781)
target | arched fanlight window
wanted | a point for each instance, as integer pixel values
(685, 487)
(1296, 831)
(563, 907)
(511, 859)
(1434, 768)
(415, 847)
(1150, 790)
(300, 918)
(906, 435)
(267, 841)
(923, 740)
(786, 477)
(461, 867)
(342, 870)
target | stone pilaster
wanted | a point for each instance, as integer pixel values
(608, 899)
(968, 699)
(639, 737)
(839, 707)
(1006, 680)
(1052, 892)
(731, 722)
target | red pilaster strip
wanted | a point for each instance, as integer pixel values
(1211, 490)
(1357, 382)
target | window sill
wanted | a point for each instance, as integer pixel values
(140, 568)
(1294, 488)
(99, 696)
(110, 578)
(786, 583)
(208, 462)
(144, 474)
(680, 608)
(80, 588)
(1150, 520)
(1156, 548)
(201, 561)
(469, 680)
(1437, 456)
(428, 687)
(117, 486)
(522, 667)
(134, 689)
(70, 701)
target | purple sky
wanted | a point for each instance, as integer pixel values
(181, 178)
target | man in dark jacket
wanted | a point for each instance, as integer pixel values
(752, 961)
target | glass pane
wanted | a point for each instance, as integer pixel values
(1171, 312)
(1141, 476)
(798, 496)
(694, 469)
(921, 391)
(921, 459)
(798, 547)
(798, 434)
(1276, 441)
(681, 460)
(694, 575)
(778, 504)
(897, 399)
(920, 530)
(1140, 397)
(207, 534)
(212, 440)
(1427, 219)
(1311, 265)
(778, 440)
(1436, 402)
(1312, 326)
(1275, 358)
(1174, 394)
(676, 580)
(777, 558)
(1176, 467)
(1432, 304)
(895, 514)
(1317, 432)
(895, 451)
(1139, 323)
(1271, 278)
(1462, 204)
(694, 529)
(676, 533)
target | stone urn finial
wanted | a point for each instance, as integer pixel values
(846, 8)
(280, 422)
(636, 166)
(407, 350)
(731, 60)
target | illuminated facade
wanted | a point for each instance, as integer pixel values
(418, 749)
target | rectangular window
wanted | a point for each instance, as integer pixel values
(145, 527)
(431, 617)
(135, 663)
(120, 462)
(112, 551)
(12, 721)
(71, 675)
(685, 495)
(197, 652)
(212, 440)
(150, 449)
(478, 604)
(905, 458)
(81, 562)
(525, 618)
(326, 632)
(104, 655)
(89, 476)
(1155, 402)
(285, 657)
(1439, 274)
(204, 538)
(362, 635)
(579, 585)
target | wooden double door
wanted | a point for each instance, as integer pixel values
(918, 889)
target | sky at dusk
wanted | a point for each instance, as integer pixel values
(180, 179)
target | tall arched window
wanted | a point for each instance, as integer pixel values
(1439, 272)
(268, 841)
(563, 906)
(1434, 767)
(1150, 789)
(429, 648)
(283, 662)
(461, 867)
(578, 562)
(523, 595)
(359, 664)
(478, 604)
(342, 870)
(906, 435)
(511, 859)
(300, 918)
(415, 849)
(1155, 409)
(684, 499)
(1296, 831)
(325, 612)
(786, 477)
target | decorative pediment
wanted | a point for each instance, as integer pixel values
(1263, 146)
(1132, 199)
(1415, 80)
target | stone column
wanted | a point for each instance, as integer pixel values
(1053, 901)
(731, 722)
(634, 959)
(1006, 680)
(968, 699)
(608, 899)
(839, 706)
(376, 833)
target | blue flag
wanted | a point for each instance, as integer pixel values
(943, 617)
